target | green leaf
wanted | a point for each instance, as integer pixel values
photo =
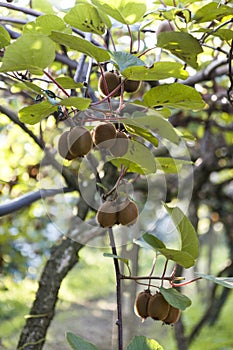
(45, 24)
(42, 6)
(182, 258)
(124, 59)
(137, 159)
(35, 113)
(174, 95)
(223, 281)
(212, 11)
(156, 123)
(136, 129)
(86, 17)
(159, 71)
(33, 87)
(29, 52)
(4, 37)
(153, 241)
(80, 103)
(182, 45)
(124, 11)
(68, 83)
(171, 165)
(78, 343)
(175, 298)
(189, 240)
(143, 343)
(81, 45)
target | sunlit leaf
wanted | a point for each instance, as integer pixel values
(86, 17)
(4, 37)
(212, 11)
(171, 165)
(181, 44)
(189, 240)
(159, 71)
(29, 52)
(81, 45)
(45, 24)
(37, 112)
(79, 102)
(143, 343)
(137, 159)
(43, 6)
(139, 130)
(174, 95)
(124, 11)
(175, 298)
(78, 343)
(68, 83)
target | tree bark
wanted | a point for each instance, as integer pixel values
(63, 257)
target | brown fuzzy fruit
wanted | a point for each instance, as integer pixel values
(63, 146)
(79, 141)
(173, 315)
(121, 144)
(104, 135)
(107, 214)
(141, 304)
(165, 26)
(131, 85)
(112, 81)
(158, 307)
(127, 213)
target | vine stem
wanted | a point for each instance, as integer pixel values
(55, 82)
(119, 322)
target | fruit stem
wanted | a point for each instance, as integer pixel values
(55, 82)
(118, 290)
(122, 173)
(152, 270)
(184, 283)
(164, 271)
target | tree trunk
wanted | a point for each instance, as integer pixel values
(63, 257)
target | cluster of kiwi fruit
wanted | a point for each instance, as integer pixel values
(79, 140)
(156, 307)
(115, 212)
(111, 81)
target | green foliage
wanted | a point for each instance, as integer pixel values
(158, 71)
(212, 11)
(35, 113)
(86, 17)
(143, 343)
(123, 60)
(181, 44)
(138, 159)
(189, 242)
(81, 45)
(175, 298)
(78, 343)
(32, 52)
(175, 96)
(45, 25)
(222, 281)
(124, 11)
(4, 37)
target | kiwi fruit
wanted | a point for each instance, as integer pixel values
(141, 304)
(104, 135)
(107, 214)
(127, 213)
(79, 141)
(131, 86)
(165, 26)
(108, 83)
(63, 148)
(173, 315)
(158, 307)
(121, 144)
